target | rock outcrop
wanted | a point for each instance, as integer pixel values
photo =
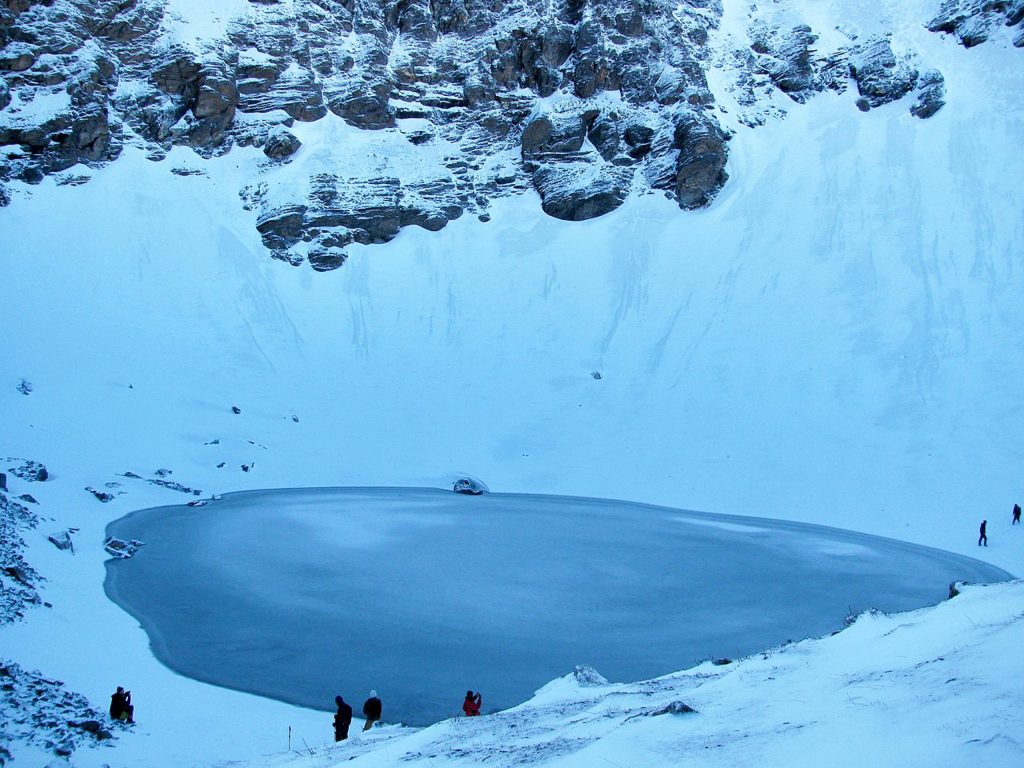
(973, 22)
(18, 580)
(429, 108)
(44, 713)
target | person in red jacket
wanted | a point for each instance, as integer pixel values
(471, 706)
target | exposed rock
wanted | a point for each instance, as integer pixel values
(587, 676)
(41, 712)
(973, 22)
(581, 187)
(32, 471)
(101, 495)
(674, 708)
(16, 57)
(18, 580)
(931, 94)
(120, 548)
(786, 59)
(555, 133)
(62, 540)
(470, 486)
(881, 77)
(281, 144)
(700, 168)
(3, 481)
(511, 92)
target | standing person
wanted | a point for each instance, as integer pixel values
(471, 706)
(342, 719)
(121, 705)
(983, 537)
(372, 709)
(1016, 514)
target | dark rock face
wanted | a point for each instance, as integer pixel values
(456, 102)
(465, 73)
(787, 59)
(700, 167)
(973, 22)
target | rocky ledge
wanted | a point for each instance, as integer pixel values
(428, 109)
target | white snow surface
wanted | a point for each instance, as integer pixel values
(836, 340)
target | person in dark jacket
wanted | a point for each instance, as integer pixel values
(342, 719)
(372, 710)
(471, 706)
(121, 705)
(1016, 514)
(983, 537)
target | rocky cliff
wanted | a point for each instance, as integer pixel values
(466, 100)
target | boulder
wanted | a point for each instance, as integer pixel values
(281, 143)
(674, 708)
(469, 486)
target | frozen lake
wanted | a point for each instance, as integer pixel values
(303, 594)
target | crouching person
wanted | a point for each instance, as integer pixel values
(121, 706)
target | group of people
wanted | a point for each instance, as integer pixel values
(983, 530)
(373, 709)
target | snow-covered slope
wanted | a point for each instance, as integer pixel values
(836, 339)
(919, 690)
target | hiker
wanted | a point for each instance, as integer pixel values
(983, 537)
(121, 705)
(1016, 514)
(372, 709)
(342, 719)
(471, 706)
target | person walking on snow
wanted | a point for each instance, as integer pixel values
(1016, 514)
(342, 719)
(471, 706)
(983, 537)
(372, 709)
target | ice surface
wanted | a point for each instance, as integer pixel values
(422, 594)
